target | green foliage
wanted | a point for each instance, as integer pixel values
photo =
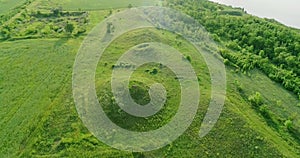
(267, 45)
(38, 115)
(188, 58)
(8, 9)
(139, 93)
(238, 85)
(256, 99)
(56, 11)
(45, 24)
(69, 28)
(232, 12)
(154, 71)
(138, 155)
(98, 4)
(234, 45)
(288, 124)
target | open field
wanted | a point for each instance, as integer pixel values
(73, 5)
(35, 72)
(7, 5)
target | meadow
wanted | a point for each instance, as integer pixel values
(38, 117)
(97, 4)
(7, 5)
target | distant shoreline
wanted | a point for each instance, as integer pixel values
(287, 14)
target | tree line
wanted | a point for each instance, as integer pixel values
(250, 42)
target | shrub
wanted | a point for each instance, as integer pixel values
(69, 27)
(256, 99)
(154, 71)
(288, 124)
(189, 58)
(238, 85)
(56, 11)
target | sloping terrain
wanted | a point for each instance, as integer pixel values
(38, 117)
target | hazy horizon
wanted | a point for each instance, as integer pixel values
(284, 11)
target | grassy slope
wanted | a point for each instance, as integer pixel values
(56, 130)
(164, 76)
(35, 72)
(240, 106)
(280, 101)
(7, 5)
(38, 116)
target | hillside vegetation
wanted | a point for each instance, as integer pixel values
(251, 42)
(39, 43)
(76, 5)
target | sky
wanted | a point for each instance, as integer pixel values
(284, 11)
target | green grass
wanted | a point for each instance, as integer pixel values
(38, 117)
(280, 101)
(7, 5)
(34, 74)
(240, 105)
(143, 74)
(97, 4)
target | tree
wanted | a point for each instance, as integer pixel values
(5, 34)
(262, 53)
(56, 11)
(69, 27)
(233, 45)
(189, 58)
(154, 71)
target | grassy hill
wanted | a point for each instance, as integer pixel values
(38, 117)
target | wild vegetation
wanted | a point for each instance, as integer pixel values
(251, 42)
(268, 46)
(37, 24)
(39, 43)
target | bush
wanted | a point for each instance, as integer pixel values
(154, 71)
(69, 27)
(189, 58)
(238, 85)
(56, 11)
(288, 124)
(256, 99)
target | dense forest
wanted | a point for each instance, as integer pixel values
(250, 42)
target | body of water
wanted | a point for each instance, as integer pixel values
(284, 11)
